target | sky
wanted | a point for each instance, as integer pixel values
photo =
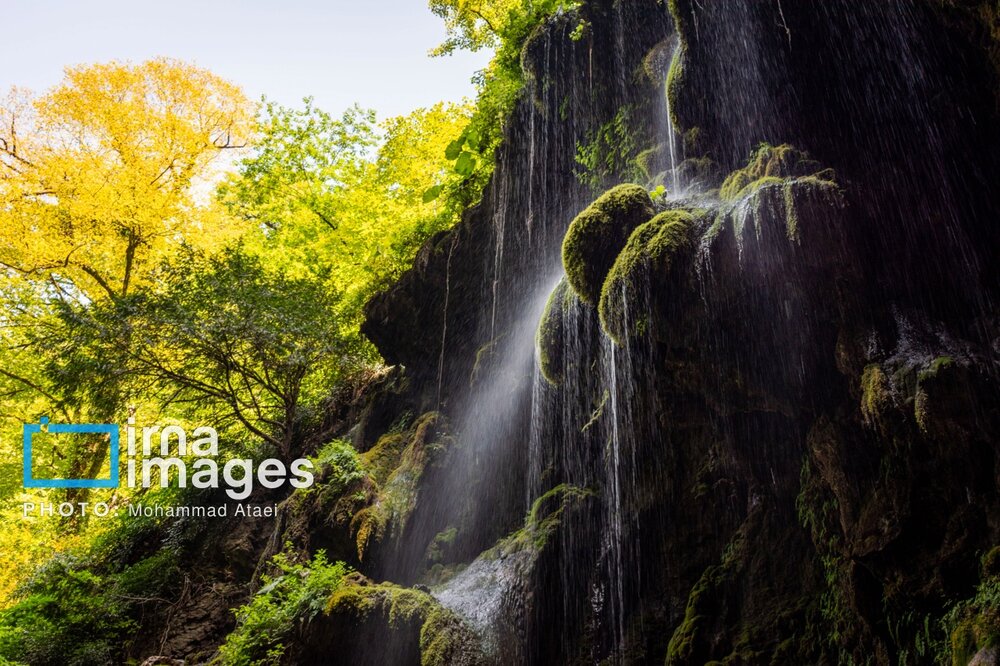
(338, 51)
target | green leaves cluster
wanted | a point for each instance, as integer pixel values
(71, 615)
(298, 593)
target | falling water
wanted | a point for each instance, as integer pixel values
(671, 131)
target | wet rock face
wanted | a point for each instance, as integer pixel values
(510, 241)
(794, 368)
(870, 91)
(804, 424)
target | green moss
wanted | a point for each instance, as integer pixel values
(485, 356)
(926, 379)
(703, 600)
(651, 251)
(543, 519)
(699, 171)
(934, 368)
(683, 642)
(397, 464)
(651, 161)
(675, 83)
(437, 548)
(974, 624)
(443, 637)
(779, 184)
(770, 165)
(381, 459)
(551, 334)
(876, 394)
(734, 183)
(991, 563)
(597, 235)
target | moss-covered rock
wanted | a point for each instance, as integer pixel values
(597, 235)
(370, 621)
(653, 160)
(396, 465)
(944, 402)
(650, 253)
(753, 206)
(770, 165)
(551, 334)
(974, 624)
(876, 395)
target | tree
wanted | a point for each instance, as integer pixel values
(227, 335)
(99, 181)
(97, 176)
(480, 24)
(342, 199)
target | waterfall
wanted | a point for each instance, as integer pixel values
(727, 371)
(671, 131)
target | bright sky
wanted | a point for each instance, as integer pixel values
(338, 51)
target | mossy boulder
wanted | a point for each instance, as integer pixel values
(396, 467)
(652, 252)
(598, 234)
(782, 187)
(551, 334)
(368, 623)
(944, 403)
(769, 165)
(653, 160)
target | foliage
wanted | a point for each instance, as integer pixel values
(612, 152)
(974, 624)
(340, 466)
(71, 614)
(504, 26)
(96, 176)
(225, 333)
(343, 199)
(297, 594)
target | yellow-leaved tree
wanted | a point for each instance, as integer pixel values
(99, 176)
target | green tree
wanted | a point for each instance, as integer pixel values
(228, 337)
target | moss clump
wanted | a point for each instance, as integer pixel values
(676, 81)
(779, 185)
(438, 547)
(770, 165)
(551, 334)
(974, 624)
(932, 381)
(651, 250)
(991, 563)
(396, 464)
(598, 234)
(541, 522)
(653, 160)
(876, 395)
(687, 644)
(443, 637)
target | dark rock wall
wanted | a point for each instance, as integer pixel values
(793, 440)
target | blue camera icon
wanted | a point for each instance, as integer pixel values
(31, 429)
